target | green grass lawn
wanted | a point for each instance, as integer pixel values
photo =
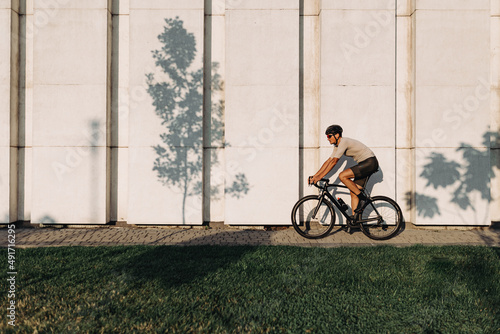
(210, 289)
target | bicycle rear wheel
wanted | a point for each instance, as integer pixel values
(309, 225)
(381, 218)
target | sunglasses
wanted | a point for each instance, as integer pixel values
(329, 136)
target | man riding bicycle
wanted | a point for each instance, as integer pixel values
(367, 165)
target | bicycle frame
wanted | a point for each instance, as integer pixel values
(351, 220)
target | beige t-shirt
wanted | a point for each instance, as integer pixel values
(352, 148)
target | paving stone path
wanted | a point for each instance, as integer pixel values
(112, 236)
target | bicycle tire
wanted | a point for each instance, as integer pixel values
(387, 225)
(305, 224)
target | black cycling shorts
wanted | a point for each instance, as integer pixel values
(364, 169)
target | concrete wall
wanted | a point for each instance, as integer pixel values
(9, 102)
(171, 193)
(452, 113)
(182, 112)
(68, 111)
(262, 110)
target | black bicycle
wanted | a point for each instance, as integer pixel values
(313, 216)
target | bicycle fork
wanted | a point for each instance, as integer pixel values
(316, 209)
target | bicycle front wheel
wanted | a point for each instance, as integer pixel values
(311, 225)
(381, 218)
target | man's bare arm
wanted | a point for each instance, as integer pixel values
(325, 169)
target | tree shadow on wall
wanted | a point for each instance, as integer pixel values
(178, 101)
(469, 182)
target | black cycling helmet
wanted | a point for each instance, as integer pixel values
(333, 130)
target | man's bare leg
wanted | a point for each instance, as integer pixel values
(346, 177)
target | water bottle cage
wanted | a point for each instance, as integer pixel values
(343, 205)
